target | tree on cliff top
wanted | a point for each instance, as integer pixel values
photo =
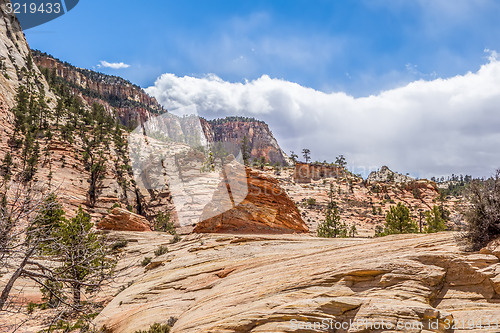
(307, 154)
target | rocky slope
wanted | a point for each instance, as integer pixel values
(362, 203)
(221, 283)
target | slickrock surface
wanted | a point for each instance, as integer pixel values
(267, 209)
(231, 283)
(120, 219)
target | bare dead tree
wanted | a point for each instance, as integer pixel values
(20, 204)
(483, 216)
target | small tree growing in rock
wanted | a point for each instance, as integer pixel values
(294, 157)
(246, 150)
(83, 254)
(435, 220)
(398, 221)
(332, 227)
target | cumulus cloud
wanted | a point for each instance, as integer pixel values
(113, 65)
(427, 128)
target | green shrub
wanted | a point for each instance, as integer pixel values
(31, 307)
(163, 223)
(161, 250)
(436, 220)
(176, 238)
(311, 202)
(146, 261)
(398, 221)
(118, 245)
(157, 328)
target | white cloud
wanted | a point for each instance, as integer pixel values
(434, 127)
(113, 65)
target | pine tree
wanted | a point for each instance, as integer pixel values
(307, 154)
(82, 253)
(332, 227)
(398, 221)
(6, 167)
(435, 220)
(246, 150)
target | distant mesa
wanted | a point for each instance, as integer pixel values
(305, 173)
(387, 175)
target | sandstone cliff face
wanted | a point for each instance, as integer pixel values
(233, 129)
(13, 53)
(61, 167)
(132, 104)
(219, 283)
(266, 209)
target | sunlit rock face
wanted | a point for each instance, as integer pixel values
(266, 208)
(266, 283)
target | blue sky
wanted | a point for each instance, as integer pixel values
(360, 47)
(414, 85)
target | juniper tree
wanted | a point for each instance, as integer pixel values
(294, 157)
(483, 216)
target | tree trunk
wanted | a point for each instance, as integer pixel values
(76, 294)
(8, 287)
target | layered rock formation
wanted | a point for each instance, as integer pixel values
(305, 172)
(120, 219)
(233, 129)
(287, 283)
(266, 208)
(131, 102)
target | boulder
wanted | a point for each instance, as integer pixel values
(120, 219)
(266, 209)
